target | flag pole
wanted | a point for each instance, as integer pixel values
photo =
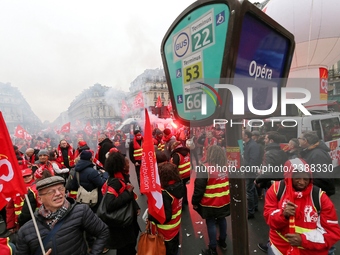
(35, 225)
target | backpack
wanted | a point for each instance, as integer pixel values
(86, 197)
(315, 195)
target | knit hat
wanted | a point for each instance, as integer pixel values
(43, 152)
(86, 155)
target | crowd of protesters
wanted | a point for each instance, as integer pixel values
(53, 172)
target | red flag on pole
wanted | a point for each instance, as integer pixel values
(124, 108)
(19, 132)
(109, 126)
(169, 106)
(159, 102)
(139, 102)
(150, 183)
(65, 128)
(88, 128)
(11, 181)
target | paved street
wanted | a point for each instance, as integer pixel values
(193, 231)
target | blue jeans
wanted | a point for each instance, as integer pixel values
(331, 250)
(252, 197)
(212, 231)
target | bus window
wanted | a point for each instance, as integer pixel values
(288, 131)
(316, 127)
(331, 129)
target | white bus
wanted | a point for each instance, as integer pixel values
(325, 124)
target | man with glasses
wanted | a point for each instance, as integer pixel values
(68, 221)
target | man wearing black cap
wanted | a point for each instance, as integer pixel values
(63, 217)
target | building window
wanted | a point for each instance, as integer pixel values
(155, 95)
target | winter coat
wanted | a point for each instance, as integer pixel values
(274, 157)
(318, 231)
(316, 156)
(69, 239)
(89, 178)
(251, 157)
(105, 146)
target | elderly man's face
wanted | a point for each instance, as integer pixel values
(52, 197)
(29, 153)
(303, 142)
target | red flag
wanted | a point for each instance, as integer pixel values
(169, 106)
(159, 102)
(19, 132)
(65, 128)
(11, 181)
(88, 128)
(124, 108)
(109, 126)
(139, 102)
(150, 183)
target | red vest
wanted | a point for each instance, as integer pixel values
(170, 229)
(4, 246)
(217, 190)
(137, 150)
(184, 166)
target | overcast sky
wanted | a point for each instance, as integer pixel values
(53, 50)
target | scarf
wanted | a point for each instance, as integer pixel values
(53, 217)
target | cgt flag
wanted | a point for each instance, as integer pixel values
(139, 102)
(88, 128)
(11, 181)
(150, 183)
(66, 128)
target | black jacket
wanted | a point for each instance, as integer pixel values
(25, 214)
(105, 146)
(252, 157)
(274, 158)
(318, 156)
(69, 240)
(176, 190)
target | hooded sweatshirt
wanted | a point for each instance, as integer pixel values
(318, 231)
